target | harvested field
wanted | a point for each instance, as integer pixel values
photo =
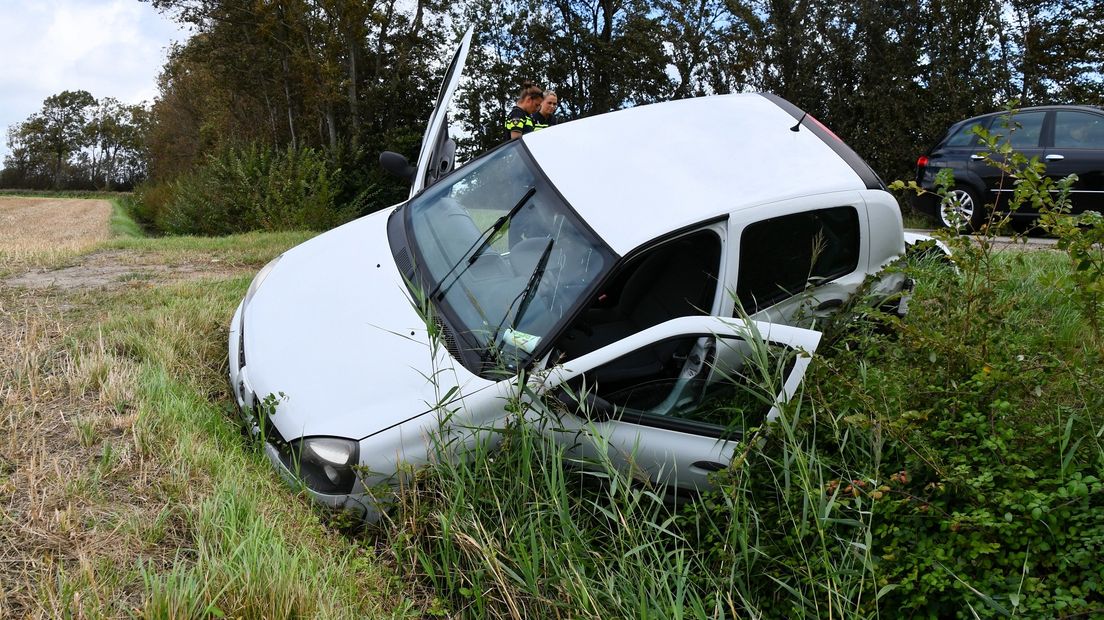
(34, 225)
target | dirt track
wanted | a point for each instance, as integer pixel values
(38, 224)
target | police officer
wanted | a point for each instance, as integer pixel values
(520, 120)
(545, 116)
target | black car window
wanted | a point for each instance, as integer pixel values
(781, 256)
(964, 135)
(1023, 130)
(1078, 130)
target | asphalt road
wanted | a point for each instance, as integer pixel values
(1026, 243)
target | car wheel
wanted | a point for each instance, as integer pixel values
(961, 209)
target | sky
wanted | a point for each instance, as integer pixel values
(110, 48)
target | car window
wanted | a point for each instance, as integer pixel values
(705, 384)
(781, 256)
(1078, 130)
(1023, 130)
(965, 135)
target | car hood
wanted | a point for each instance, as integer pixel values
(333, 333)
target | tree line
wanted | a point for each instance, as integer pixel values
(78, 142)
(349, 78)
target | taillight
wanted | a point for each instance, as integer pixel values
(922, 162)
(824, 127)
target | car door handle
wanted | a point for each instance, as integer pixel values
(977, 157)
(708, 465)
(829, 304)
(1055, 157)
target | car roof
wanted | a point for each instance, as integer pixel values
(1038, 108)
(637, 174)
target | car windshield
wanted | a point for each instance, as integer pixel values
(502, 256)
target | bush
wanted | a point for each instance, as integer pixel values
(253, 188)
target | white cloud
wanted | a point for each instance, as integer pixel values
(111, 48)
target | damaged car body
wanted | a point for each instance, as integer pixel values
(612, 268)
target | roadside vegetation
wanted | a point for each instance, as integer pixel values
(946, 465)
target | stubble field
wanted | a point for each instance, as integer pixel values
(33, 225)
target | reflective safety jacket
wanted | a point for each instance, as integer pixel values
(518, 120)
(540, 122)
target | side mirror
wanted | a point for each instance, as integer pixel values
(397, 165)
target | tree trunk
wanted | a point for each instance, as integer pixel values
(354, 109)
(290, 111)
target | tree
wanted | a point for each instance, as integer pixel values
(1052, 49)
(78, 142)
(60, 127)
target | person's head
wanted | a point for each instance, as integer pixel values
(530, 97)
(549, 103)
(1079, 133)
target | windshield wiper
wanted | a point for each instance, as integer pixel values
(526, 294)
(499, 223)
(483, 241)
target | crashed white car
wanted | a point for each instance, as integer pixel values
(610, 258)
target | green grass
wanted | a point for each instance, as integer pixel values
(252, 249)
(122, 224)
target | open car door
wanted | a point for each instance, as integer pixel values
(673, 402)
(438, 154)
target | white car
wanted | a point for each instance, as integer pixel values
(608, 257)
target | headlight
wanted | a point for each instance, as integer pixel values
(258, 280)
(325, 463)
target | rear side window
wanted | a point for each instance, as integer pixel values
(1078, 130)
(964, 135)
(1023, 129)
(781, 256)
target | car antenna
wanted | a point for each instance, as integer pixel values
(798, 125)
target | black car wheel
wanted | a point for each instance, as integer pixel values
(962, 209)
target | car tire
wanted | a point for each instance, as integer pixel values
(962, 209)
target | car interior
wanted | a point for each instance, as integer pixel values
(678, 278)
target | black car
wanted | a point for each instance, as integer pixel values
(1069, 139)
